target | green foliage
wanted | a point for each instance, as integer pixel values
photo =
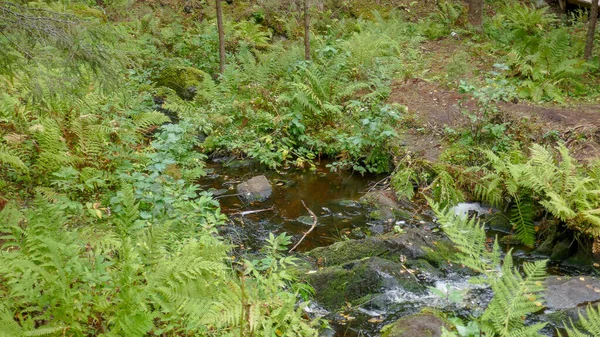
(129, 276)
(468, 235)
(589, 324)
(515, 295)
(543, 56)
(561, 187)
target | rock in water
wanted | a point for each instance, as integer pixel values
(420, 325)
(564, 293)
(255, 189)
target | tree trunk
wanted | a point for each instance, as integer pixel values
(221, 37)
(476, 13)
(306, 32)
(589, 44)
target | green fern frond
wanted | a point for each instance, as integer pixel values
(8, 157)
(590, 324)
(521, 217)
(402, 182)
(515, 297)
(145, 120)
(468, 235)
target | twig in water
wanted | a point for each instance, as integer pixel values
(226, 195)
(253, 211)
(314, 224)
(377, 184)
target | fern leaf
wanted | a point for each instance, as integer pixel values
(145, 120)
(7, 157)
(521, 217)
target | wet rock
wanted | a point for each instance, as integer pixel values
(414, 244)
(219, 192)
(498, 222)
(424, 267)
(357, 232)
(420, 325)
(349, 203)
(569, 293)
(545, 248)
(357, 279)
(377, 229)
(305, 219)
(255, 189)
(387, 206)
(561, 250)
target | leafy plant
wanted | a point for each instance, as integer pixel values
(515, 295)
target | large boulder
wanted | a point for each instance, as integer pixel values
(414, 244)
(358, 281)
(568, 293)
(186, 81)
(255, 189)
(419, 325)
(568, 297)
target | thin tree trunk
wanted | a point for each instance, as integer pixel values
(476, 13)
(306, 32)
(221, 37)
(589, 44)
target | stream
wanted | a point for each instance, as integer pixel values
(333, 197)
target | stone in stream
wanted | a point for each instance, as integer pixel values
(360, 281)
(414, 244)
(255, 189)
(426, 324)
(358, 271)
(387, 206)
(568, 293)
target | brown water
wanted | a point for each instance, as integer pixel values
(333, 197)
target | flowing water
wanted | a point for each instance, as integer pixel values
(333, 197)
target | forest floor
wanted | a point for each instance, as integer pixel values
(436, 105)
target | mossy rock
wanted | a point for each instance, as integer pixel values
(423, 266)
(359, 279)
(413, 244)
(387, 206)
(345, 251)
(440, 253)
(186, 81)
(426, 324)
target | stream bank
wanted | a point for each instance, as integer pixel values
(371, 259)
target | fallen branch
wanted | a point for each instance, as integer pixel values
(314, 224)
(253, 211)
(226, 195)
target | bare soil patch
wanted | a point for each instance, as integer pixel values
(435, 107)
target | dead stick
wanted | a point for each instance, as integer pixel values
(253, 211)
(311, 227)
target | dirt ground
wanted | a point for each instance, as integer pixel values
(436, 107)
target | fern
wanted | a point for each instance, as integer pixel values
(468, 235)
(515, 297)
(144, 120)
(521, 217)
(590, 324)
(8, 157)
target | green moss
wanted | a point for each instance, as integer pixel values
(428, 323)
(359, 280)
(344, 251)
(439, 256)
(186, 81)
